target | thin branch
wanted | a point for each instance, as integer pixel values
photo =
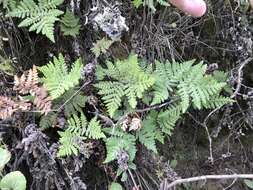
(159, 106)
(73, 95)
(239, 76)
(207, 177)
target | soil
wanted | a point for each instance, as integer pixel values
(222, 38)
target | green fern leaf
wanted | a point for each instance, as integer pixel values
(39, 17)
(137, 3)
(101, 46)
(72, 103)
(70, 24)
(94, 130)
(129, 81)
(57, 79)
(69, 145)
(47, 121)
(167, 119)
(77, 125)
(147, 134)
(115, 144)
(217, 101)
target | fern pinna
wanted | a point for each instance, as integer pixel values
(189, 84)
(38, 16)
(123, 79)
(78, 129)
(70, 24)
(56, 77)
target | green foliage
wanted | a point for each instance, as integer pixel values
(5, 65)
(190, 83)
(78, 129)
(47, 121)
(70, 24)
(147, 134)
(156, 125)
(149, 3)
(101, 46)
(57, 79)
(117, 142)
(249, 183)
(115, 186)
(5, 157)
(94, 130)
(222, 76)
(137, 3)
(167, 119)
(39, 17)
(73, 103)
(13, 180)
(124, 79)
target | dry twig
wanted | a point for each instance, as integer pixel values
(206, 177)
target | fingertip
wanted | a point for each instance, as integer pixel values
(195, 8)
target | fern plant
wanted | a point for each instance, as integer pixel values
(38, 16)
(189, 83)
(78, 129)
(124, 79)
(56, 77)
(101, 46)
(70, 24)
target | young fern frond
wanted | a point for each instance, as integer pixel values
(78, 129)
(94, 130)
(187, 81)
(128, 81)
(70, 24)
(39, 17)
(167, 119)
(101, 46)
(116, 144)
(68, 144)
(147, 134)
(57, 79)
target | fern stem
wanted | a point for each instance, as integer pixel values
(132, 177)
(77, 92)
(239, 77)
(159, 106)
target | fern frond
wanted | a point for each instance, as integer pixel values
(115, 144)
(78, 129)
(101, 46)
(147, 134)
(217, 101)
(68, 144)
(47, 121)
(129, 81)
(39, 17)
(56, 78)
(190, 82)
(72, 105)
(70, 24)
(94, 130)
(77, 125)
(167, 119)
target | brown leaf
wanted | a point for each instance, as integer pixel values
(7, 107)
